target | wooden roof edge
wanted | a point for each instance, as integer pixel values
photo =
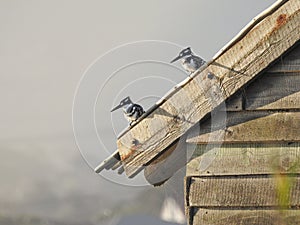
(237, 38)
(137, 158)
(109, 163)
(249, 27)
(254, 52)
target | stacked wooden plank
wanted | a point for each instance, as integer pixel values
(189, 102)
(245, 167)
(254, 175)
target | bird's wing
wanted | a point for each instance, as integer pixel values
(199, 61)
(139, 109)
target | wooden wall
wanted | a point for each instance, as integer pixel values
(249, 172)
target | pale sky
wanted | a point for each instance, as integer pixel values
(45, 47)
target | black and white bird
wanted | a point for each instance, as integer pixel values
(190, 62)
(131, 110)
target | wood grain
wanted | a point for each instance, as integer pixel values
(274, 91)
(243, 191)
(196, 97)
(255, 158)
(169, 162)
(235, 103)
(245, 217)
(249, 127)
(288, 63)
(277, 88)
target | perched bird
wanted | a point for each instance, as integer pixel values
(189, 60)
(131, 110)
(192, 62)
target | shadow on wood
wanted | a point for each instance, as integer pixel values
(167, 164)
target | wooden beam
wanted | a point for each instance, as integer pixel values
(244, 159)
(199, 95)
(234, 104)
(274, 91)
(245, 191)
(289, 63)
(244, 217)
(169, 162)
(277, 88)
(109, 163)
(249, 127)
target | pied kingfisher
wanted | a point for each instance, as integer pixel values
(192, 62)
(131, 110)
(189, 61)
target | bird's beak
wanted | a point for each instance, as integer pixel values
(117, 107)
(174, 60)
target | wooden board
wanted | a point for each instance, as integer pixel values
(277, 88)
(234, 104)
(199, 95)
(244, 191)
(237, 159)
(289, 63)
(274, 91)
(168, 163)
(248, 127)
(244, 217)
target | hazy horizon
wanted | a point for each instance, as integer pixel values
(46, 46)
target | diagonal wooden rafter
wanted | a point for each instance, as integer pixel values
(257, 46)
(197, 96)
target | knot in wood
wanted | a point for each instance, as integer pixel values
(281, 20)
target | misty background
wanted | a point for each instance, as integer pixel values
(45, 48)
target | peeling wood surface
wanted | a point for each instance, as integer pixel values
(245, 159)
(245, 217)
(244, 191)
(249, 127)
(199, 95)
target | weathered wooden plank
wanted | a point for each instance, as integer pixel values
(252, 158)
(288, 63)
(189, 212)
(280, 90)
(168, 163)
(199, 95)
(234, 104)
(274, 91)
(245, 191)
(109, 163)
(278, 85)
(247, 127)
(245, 217)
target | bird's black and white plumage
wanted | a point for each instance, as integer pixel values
(131, 110)
(190, 62)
